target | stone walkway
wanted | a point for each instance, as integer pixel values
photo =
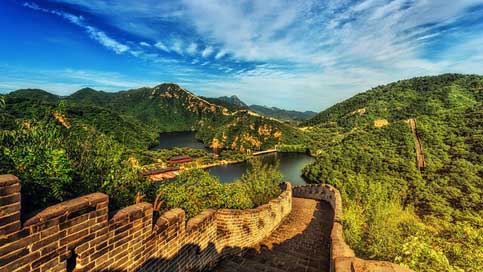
(301, 243)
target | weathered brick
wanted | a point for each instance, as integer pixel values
(9, 209)
(10, 228)
(10, 189)
(7, 180)
(9, 199)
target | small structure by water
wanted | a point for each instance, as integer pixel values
(159, 171)
(180, 159)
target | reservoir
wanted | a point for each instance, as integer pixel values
(291, 165)
(179, 139)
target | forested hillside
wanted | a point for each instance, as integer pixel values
(284, 115)
(63, 147)
(431, 218)
(135, 117)
(233, 103)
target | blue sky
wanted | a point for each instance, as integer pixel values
(304, 55)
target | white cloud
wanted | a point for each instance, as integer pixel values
(161, 46)
(65, 81)
(207, 52)
(192, 48)
(145, 44)
(105, 40)
(220, 54)
(177, 46)
(334, 48)
(93, 32)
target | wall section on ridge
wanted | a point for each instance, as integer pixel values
(343, 258)
(80, 235)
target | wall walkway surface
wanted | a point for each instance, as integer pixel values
(343, 258)
(82, 235)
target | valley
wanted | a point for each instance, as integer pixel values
(185, 136)
(408, 198)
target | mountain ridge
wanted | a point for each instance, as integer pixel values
(366, 147)
(163, 108)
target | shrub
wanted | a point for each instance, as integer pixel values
(196, 190)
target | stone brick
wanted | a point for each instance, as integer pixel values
(129, 241)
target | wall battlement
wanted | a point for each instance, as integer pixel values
(343, 258)
(79, 234)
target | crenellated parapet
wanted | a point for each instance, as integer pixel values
(82, 235)
(343, 258)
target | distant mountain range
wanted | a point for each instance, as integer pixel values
(135, 117)
(234, 103)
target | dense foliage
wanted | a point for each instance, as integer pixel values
(63, 147)
(429, 219)
(196, 190)
(57, 161)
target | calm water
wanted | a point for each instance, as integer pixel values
(179, 139)
(291, 165)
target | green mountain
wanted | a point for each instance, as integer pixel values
(233, 103)
(233, 100)
(427, 215)
(135, 117)
(284, 115)
(228, 102)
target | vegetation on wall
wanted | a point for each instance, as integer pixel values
(429, 219)
(56, 163)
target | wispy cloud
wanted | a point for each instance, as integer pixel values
(161, 46)
(65, 81)
(220, 54)
(192, 48)
(329, 49)
(105, 40)
(177, 46)
(93, 32)
(207, 52)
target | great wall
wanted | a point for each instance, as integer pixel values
(82, 235)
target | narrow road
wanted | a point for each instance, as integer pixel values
(419, 146)
(301, 243)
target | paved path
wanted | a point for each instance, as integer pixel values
(301, 243)
(419, 146)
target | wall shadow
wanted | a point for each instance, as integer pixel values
(296, 245)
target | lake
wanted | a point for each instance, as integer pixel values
(291, 165)
(180, 139)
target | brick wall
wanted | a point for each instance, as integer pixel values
(343, 258)
(79, 234)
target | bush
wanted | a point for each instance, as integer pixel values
(196, 190)
(56, 163)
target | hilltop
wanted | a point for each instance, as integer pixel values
(366, 147)
(234, 103)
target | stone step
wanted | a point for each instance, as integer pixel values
(299, 244)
